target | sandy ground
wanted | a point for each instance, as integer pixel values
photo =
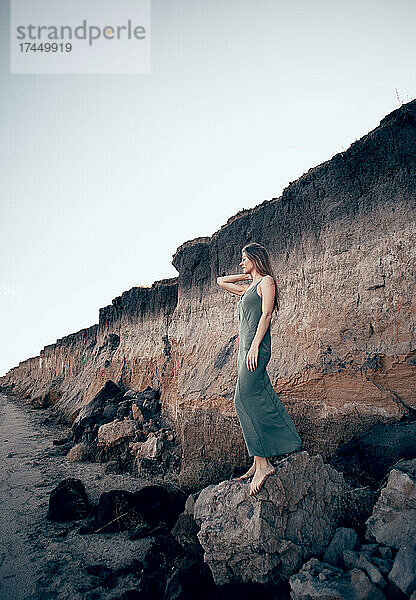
(40, 559)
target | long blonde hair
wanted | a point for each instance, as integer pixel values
(259, 255)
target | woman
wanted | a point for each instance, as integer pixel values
(267, 428)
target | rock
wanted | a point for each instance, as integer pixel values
(135, 447)
(116, 431)
(105, 576)
(168, 433)
(385, 552)
(102, 409)
(185, 529)
(126, 595)
(368, 549)
(407, 466)
(148, 394)
(137, 413)
(380, 556)
(150, 408)
(62, 442)
(43, 401)
(320, 580)
(161, 554)
(151, 448)
(384, 565)
(403, 573)
(145, 530)
(130, 394)
(81, 452)
(156, 503)
(189, 579)
(190, 503)
(159, 458)
(363, 588)
(158, 562)
(68, 501)
(108, 413)
(185, 533)
(393, 521)
(360, 561)
(151, 426)
(124, 409)
(344, 539)
(112, 466)
(151, 586)
(117, 510)
(89, 433)
(358, 504)
(86, 529)
(266, 537)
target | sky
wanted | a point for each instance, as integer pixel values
(103, 176)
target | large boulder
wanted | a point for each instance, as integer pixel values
(393, 521)
(266, 537)
(102, 409)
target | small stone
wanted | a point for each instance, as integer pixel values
(137, 413)
(151, 448)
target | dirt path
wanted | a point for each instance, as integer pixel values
(40, 559)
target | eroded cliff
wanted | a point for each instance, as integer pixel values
(342, 242)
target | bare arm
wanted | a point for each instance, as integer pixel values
(268, 291)
(227, 283)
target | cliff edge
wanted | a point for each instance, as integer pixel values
(342, 242)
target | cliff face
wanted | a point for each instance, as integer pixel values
(342, 242)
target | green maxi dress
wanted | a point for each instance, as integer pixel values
(267, 427)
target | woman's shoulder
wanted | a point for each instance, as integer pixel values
(266, 283)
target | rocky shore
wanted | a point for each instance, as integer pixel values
(121, 444)
(98, 510)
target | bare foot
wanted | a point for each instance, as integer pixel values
(260, 477)
(249, 473)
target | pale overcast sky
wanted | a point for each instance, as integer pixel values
(104, 176)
